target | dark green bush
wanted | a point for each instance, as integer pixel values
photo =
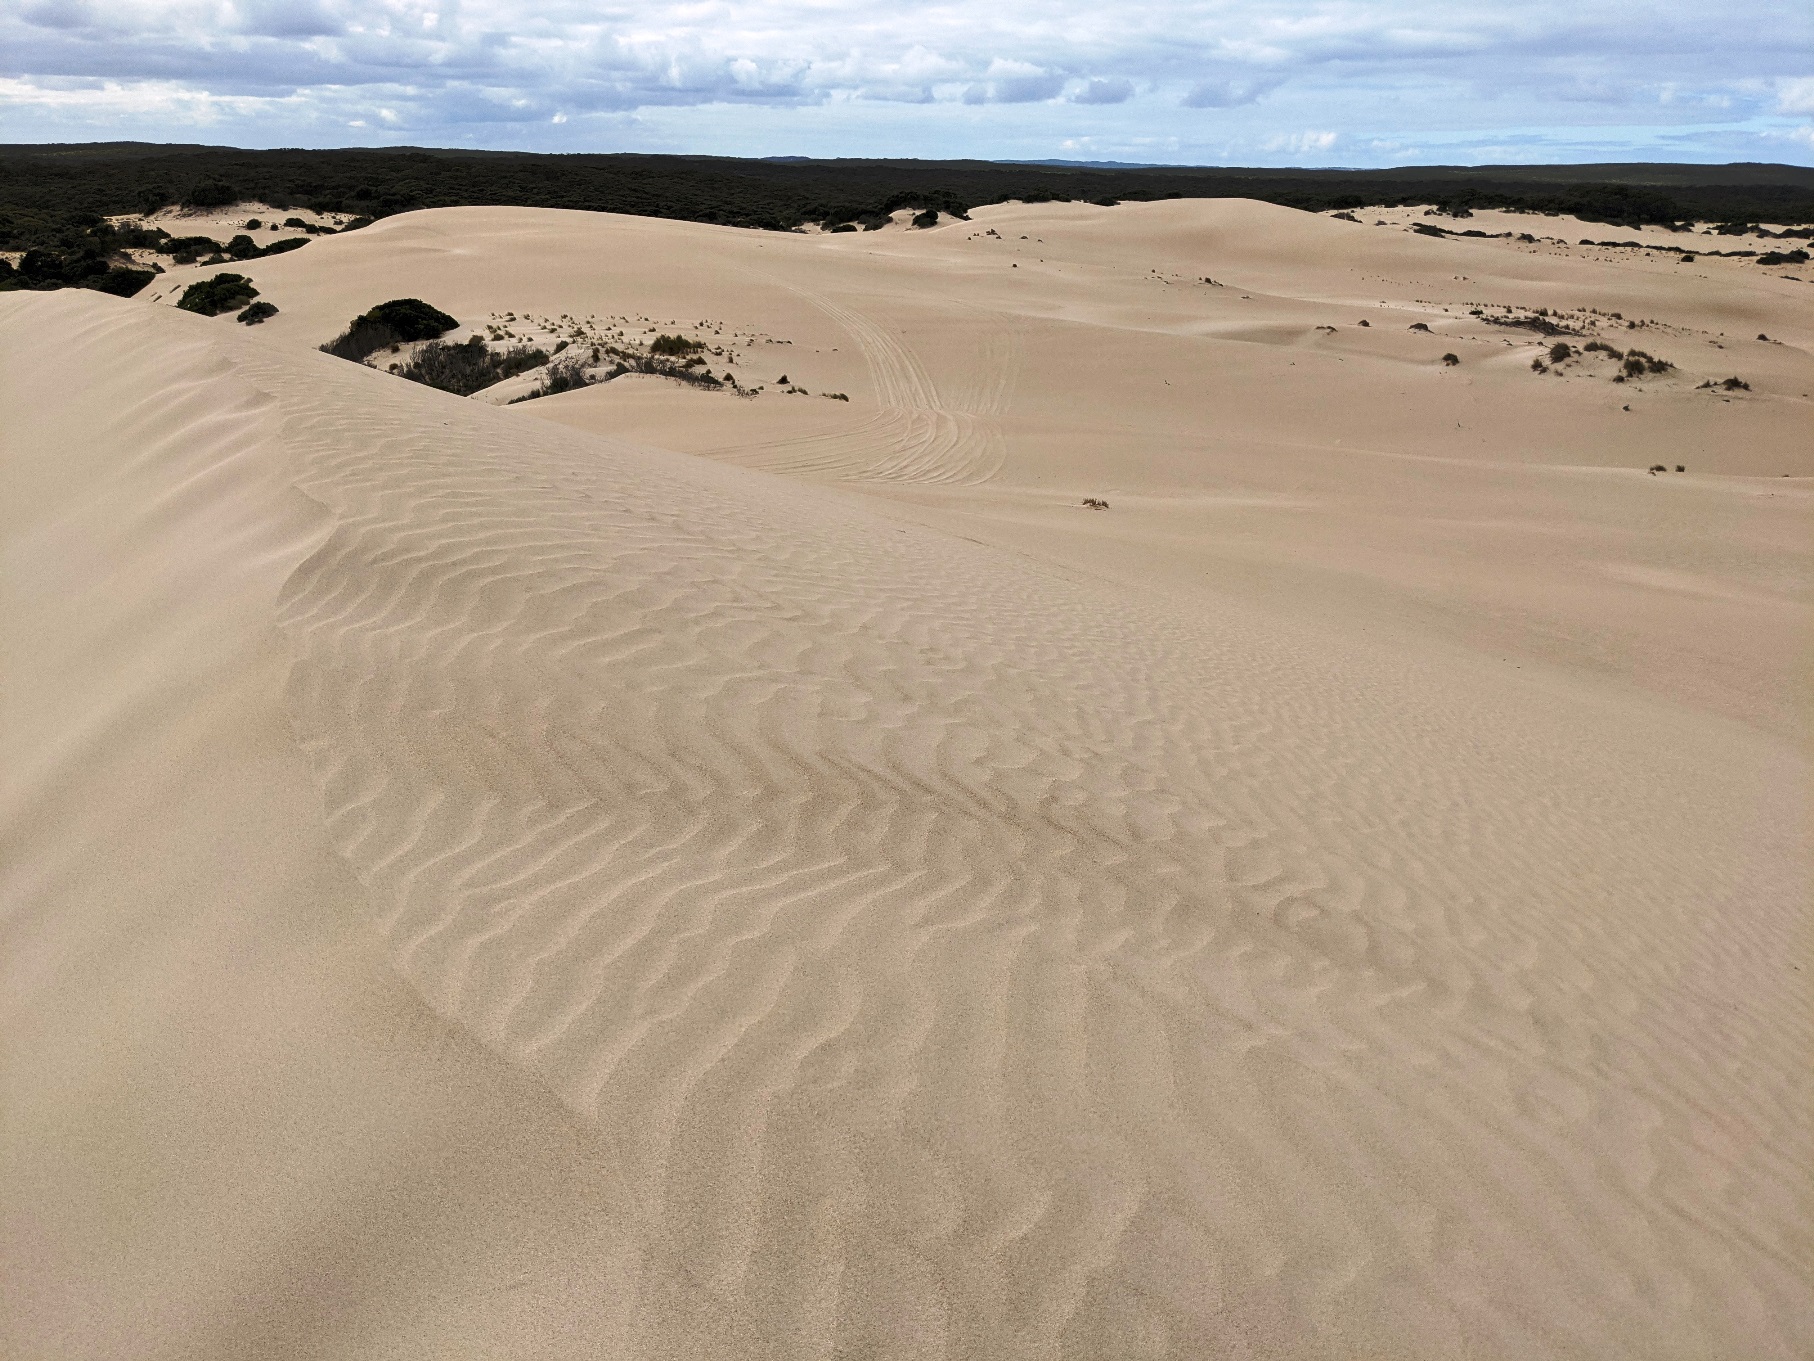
(391, 323)
(121, 283)
(222, 293)
(676, 346)
(411, 318)
(1638, 363)
(211, 194)
(256, 313)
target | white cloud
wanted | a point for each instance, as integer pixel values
(1795, 96)
(1301, 143)
(1032, 72)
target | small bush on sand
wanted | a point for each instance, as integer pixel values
(222, 293)
(1736, 385)
(1601, 347)
(561, 378)
(1538, 366)
(1451, 359)
(1095, 503)
(929, 218)
(1638, 363)
(387, 324)
(677, 347)
(256, 313)
(1558, 352)
(1419, 326)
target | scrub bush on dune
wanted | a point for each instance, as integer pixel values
(389, 323)
(469, 367)
(222, 293)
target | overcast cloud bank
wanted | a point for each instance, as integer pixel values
(1357, 83)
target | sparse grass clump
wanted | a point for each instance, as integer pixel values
(222, 293)
(470, 367)
(1601, 347)
(1638, 363)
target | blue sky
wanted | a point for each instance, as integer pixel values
(1250, 82)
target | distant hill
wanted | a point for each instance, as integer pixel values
(53, 197)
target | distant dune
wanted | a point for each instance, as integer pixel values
(659, 873)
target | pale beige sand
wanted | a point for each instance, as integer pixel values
(1348, 899)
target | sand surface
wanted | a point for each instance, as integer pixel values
(657, 873)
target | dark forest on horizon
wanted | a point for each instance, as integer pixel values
(54, 199)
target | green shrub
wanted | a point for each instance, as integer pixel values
(121, 283)
(411, 318)
(676, 346)
(211, 194)
(222, 293)
(390, 323)
(1451, 359)
(256, 313)
(1558, 352)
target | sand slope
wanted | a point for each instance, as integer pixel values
(480, 887)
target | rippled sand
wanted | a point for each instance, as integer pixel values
(648, 873)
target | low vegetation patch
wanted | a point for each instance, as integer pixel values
(256, 313)
(1539, 321)
(677, 347)
(222, 293)
(396, 322)
(1637, 364)
(469, 367)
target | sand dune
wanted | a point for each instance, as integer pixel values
(482, 886)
